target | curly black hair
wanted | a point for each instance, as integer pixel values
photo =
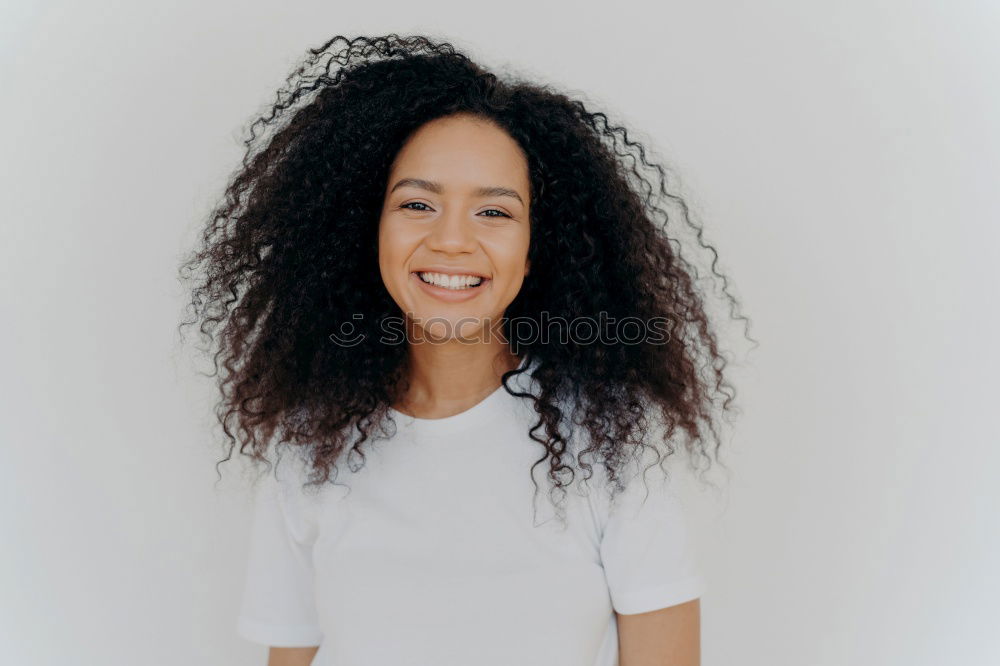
(290, 254)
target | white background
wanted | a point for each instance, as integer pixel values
(843, 157)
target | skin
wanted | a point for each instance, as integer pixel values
(279, 656)
(665, 637)
(455, 363)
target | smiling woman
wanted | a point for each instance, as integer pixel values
(507, 227)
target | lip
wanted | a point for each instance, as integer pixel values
(449, 295)
(451, 271)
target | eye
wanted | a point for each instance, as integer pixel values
(416, 203)
(494, 210)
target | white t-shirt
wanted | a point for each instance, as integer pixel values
(430, 553)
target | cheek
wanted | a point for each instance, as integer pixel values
(392, 245)
(390, 257)
(513, 255)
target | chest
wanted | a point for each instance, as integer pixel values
(434, 540)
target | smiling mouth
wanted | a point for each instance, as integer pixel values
(451, 282)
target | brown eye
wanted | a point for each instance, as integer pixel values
(494, 210)
(416, 203)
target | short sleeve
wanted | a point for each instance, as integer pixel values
(650, 559)
(278, 607)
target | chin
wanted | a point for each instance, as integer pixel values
(448, 328)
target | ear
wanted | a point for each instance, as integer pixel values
(527, 266)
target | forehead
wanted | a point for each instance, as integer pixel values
(462, 149)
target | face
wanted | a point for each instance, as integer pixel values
(454, 230)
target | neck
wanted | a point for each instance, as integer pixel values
(451, 377)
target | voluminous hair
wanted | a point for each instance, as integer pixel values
(290, 254)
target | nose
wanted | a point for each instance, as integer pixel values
(452, 232)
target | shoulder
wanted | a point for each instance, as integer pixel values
(284, 483)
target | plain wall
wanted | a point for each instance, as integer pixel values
(843, 158)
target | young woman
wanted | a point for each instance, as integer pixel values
(461, 291)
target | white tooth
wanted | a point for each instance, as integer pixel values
(452, 281)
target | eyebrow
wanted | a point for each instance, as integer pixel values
(485, 191)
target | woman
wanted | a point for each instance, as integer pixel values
(445, 282)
